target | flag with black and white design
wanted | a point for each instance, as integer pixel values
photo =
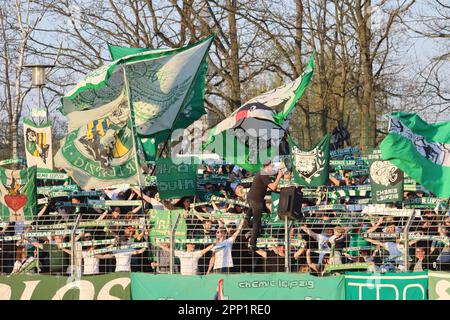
(386, 179)
(311, 166)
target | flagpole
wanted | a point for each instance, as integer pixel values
(135, 148)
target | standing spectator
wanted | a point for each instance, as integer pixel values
(273, 259)
(7, 249)
(188, 259)
(222, 260)
(58, 258)
(123, 258)
(421, 262)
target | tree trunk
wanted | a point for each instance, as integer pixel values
(234, 55)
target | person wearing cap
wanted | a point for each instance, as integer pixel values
(255, 198)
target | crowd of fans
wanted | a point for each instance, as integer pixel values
(219, 229)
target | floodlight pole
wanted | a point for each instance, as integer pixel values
(38, 80)
(135, 148)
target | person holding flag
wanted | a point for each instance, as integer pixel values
(255, 198)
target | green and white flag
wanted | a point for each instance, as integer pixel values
(18, 197)
(100, 153)
(311, 166)
(176, 180)
(386, 179)
(191, 110)
(162, 84)
(38, 144)
(158, 87)
(253, 132)
(421, 150)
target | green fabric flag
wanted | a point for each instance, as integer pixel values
(234, 152)
(18, 196)
(150, 148)
(438, 285)
(311, 166)
(386, 180)
(159, 90)
(162, 222)
(176, 180)
(192, 109)
(300, 85)
(118, 52)
(100, 153)
(421, 150)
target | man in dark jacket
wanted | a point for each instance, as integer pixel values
(255, 198)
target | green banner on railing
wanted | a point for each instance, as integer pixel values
(269, 286)
(389, 286)
(438, 285)
(114, 286)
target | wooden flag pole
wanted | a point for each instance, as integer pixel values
(135, 148)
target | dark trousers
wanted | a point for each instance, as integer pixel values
(256, 210)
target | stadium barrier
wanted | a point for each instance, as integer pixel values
(270, 286)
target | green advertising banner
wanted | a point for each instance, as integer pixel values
(114, 286)
(386, 180)
(270, 286)
(176, 180)
(438, 285)
(388, 286)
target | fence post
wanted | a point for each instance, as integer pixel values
(287, 245)
(406, 237)
(172, 238)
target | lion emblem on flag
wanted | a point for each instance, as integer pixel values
(385, 173)
(309, 164)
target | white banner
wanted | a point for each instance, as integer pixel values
(38, 144)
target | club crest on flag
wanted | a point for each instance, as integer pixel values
(102, 143)
(309, 164)
(18, 198)
(36, 144)
(14, 199)
(385, 173)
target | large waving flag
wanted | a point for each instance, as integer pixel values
(253, 132)
(152, 92)
(192, 109)
(421, 150)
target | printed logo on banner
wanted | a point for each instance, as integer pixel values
(386, 179)
(309, 164)
(389, 286)
(36, 144)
